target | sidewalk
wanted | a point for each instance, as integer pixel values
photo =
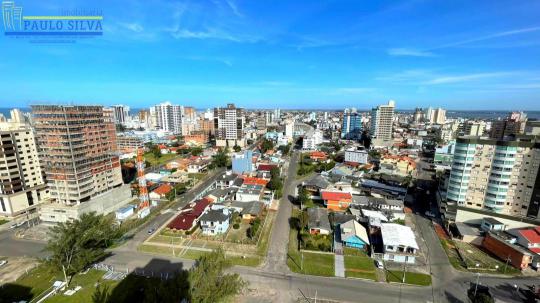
(339, 260)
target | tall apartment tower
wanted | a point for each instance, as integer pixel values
(121, 114)
(169, 117)
(514, 124)
(22, 183)
(76, 151)
(229, 125)
(351, 128)
(438, 116)
(496, 176)
(382, 118)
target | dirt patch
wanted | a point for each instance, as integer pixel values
(15, 268)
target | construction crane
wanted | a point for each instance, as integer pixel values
(143, 190)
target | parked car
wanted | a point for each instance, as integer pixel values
(379, 264)
(3, 262)
(151, 230)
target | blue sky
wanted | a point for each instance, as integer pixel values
(289, 54)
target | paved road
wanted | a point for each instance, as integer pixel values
(276, 260)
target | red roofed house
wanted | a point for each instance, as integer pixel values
(404, 164)
(336, 200)
(189, 215)
(500, 246)
(160, 192)
(318, 156)
(266, 167)
(255, 181)
(529, 238)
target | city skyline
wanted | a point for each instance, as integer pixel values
(478, 56)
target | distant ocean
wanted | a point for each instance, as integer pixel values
(480, 114)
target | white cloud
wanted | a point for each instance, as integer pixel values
(467, 77)
(212, 34)
(134, 27)
(234, 8)
(491, 36)
(409, 52)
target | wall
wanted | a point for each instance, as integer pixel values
(504, 251)
(476, 219)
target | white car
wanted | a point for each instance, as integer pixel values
(379, 264)
(3, 262)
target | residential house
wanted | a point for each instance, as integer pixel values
(315, 185)
(215, 221)
(189, 216)
(336, 201)
(250, 210)
(353, 234)
(529, 238)
(266, 167)
(226, 180)
(318, 222)
(318, 156)
(222, 194)
(492, 224)
(198, 166)
(399, 243)
(161, 192)
(405, 165)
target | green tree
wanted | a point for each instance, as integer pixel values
(208, 282)
(156, 151)
(196, 151)
(303, 220)
(75, 245)
(303, 197)
(101, 294)
(266, 145)
(221, 159)
(252, 230)
(237, 148)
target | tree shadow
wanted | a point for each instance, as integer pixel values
(451, 298)
(158, 281)
(10, 292)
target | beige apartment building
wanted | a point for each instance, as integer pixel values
(22, 186)
(497, 176)
(382, 119)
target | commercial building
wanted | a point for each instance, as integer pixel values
(497, 176)
(351, 128)
(77, 154)
(382, 118)
(356, 154)
(168, 117)
(473, 128)
(22, 184)
(229, 125)
(242, 162)
(311, 139)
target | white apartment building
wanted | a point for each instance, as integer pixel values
(168, 117)
(289, 130)
(22, 185)
(121, 114)
(311, 139)
(496, 176)
(356, 155)
(382, 118)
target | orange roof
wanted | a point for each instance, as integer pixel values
(162, 146)
(336, 195)
(318, 154)
(255, 181)
(163, 189)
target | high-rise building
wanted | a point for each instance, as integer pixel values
(418, 115)
(438, 116)
(312, 138)
(189, 113)
(496, 176)
(76, 151)
(229, 125)
(277, 115)
(289, 130)
(473, 128)
(513, 124)
(382, 118)
(351, 128)
(169, 117)
(260, 123)
(121, 114)
(22, 183)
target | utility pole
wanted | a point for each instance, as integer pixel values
(476, 285)
(506, 264)
(404, 269)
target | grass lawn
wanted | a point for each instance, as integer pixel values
(359, 266)
(472, 255)
(161, 160)
(410, 277)
(41, 279)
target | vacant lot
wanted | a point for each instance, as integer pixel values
(359, 265)
(410, 277)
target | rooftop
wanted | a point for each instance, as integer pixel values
(398, 235)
